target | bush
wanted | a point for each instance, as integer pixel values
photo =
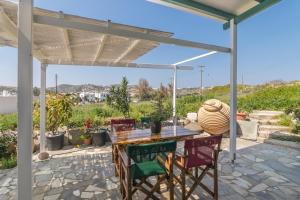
(270, 98)
(5, 141)
(8, 122)
(8, 162)
(285, 120)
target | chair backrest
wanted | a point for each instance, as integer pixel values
(148, 152)
(200, 151)
(122, 124)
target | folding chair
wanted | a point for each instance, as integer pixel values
(200, 154)
(139, 162)
(118, 125)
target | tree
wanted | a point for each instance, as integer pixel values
(119, 97)
(36, 92)
(163, 90)
(170, 89)
(144, 90)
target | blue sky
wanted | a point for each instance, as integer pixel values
(268, 45)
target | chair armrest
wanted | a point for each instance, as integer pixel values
(125, 159)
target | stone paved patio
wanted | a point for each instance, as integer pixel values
(262, 171)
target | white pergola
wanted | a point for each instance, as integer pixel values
(57, 38)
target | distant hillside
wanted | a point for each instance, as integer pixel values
(66, 88)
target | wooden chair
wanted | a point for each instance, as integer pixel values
(118, 125)
(139, 162)
(200, 154)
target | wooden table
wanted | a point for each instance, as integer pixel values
(140, 136)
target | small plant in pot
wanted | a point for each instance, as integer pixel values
(87, 137)
(59, 111)
(158, 115)
(240, 115)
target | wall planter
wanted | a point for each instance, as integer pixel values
(74, 136)
(99, 137)
(55, 142)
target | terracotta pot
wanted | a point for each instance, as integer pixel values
(87, 141)
(241, 116)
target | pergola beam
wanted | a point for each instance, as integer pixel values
(128, 50)
(12, 29)
(264, 4)
(100, 48)
(110, 30)
(133, 65)
(196, 57)
(67, 43)
(196, 8)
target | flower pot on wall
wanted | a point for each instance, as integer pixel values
(87, 141)
(55, 142)
(74, 136)
(155, 127)
(241, 116)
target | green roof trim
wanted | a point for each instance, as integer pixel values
(256, 9)
(196, 6)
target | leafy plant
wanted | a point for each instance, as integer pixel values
(58, 111)
(8, 162)
(119, 98)
(8, 122)
(5, 141)
(285, 120)
(158, 114)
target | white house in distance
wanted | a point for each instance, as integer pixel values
(93, 96)
(6, 93)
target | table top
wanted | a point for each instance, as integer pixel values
(137, 136)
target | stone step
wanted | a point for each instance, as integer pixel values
(264, 134)
(274, 128)
(266, 121)
(265, 115)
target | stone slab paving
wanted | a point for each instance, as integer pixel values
(262, 171)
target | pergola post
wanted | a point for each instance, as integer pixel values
(43, 107)
(233, 89)
(174, 94)
(25, 100)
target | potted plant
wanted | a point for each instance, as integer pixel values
(155, 126)
(59, 111)
(86, 137)
(240, 115)
(158, 115)
(98, 134)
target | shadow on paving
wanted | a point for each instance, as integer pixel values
(261, 171)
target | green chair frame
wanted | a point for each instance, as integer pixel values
(141, 161)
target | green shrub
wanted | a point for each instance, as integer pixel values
(5, 141)
(8, 162)
(270, 98)
(8, 122)
(296, 128)
(285, 120)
